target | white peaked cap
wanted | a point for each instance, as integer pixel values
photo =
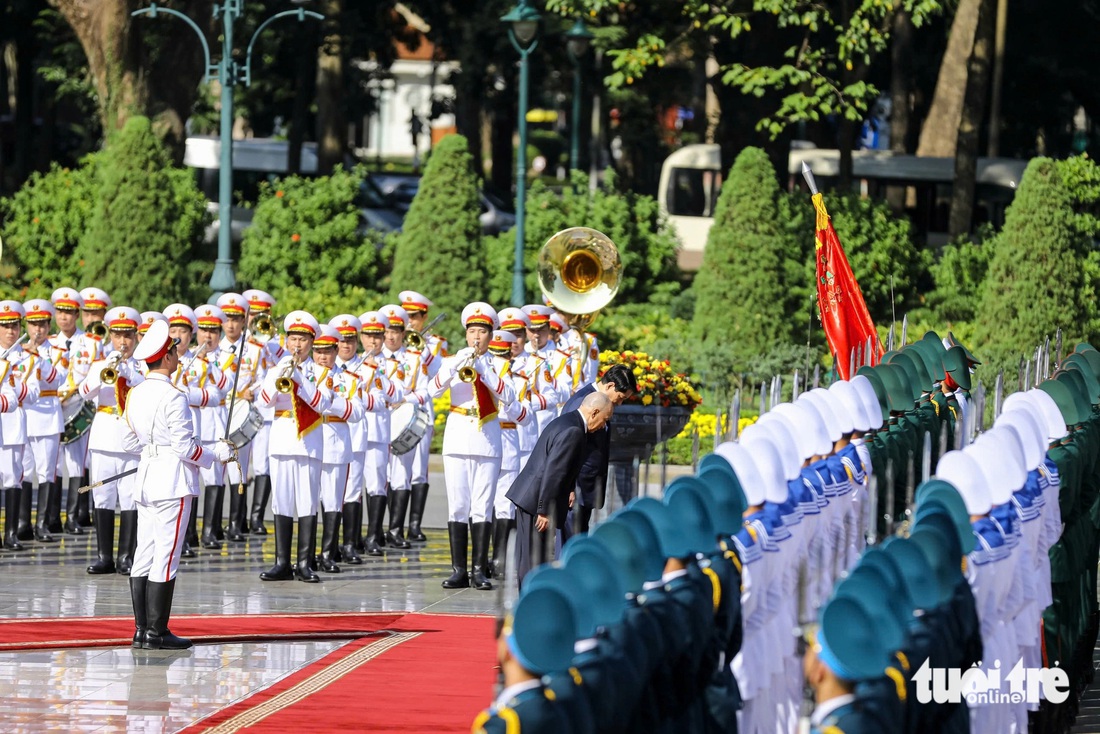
(1030, 432)
(776, 431)
(871, 406)
(963, 473)
(813, 437)
(847, 400)
(155, 344)
(745, 468)
(1043, 408)
(989, 454)
(770, 463)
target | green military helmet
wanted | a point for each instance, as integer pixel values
(1063, 397)
(934, 543)
(956, 343)
(646, 536)
(938, 493)
(954, 364)
(542, 630)
(916, 573)
(687, 500)
(918, 378)
(931, 362)
(599, 582)
(878, 386)
(899, 394)
(933, 343)
(630, 555)
(937, 516)
(1092, 357)
(726, 498)
(1092, 385)
(1076, 382)
(879, 577)
(850, 643)
(1084, 347)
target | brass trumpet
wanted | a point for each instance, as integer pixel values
(98, 329)
(109, 374)
(466, 372)
(284, 383)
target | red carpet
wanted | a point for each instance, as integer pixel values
(401, 673)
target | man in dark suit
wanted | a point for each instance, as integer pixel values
(544, 484)
(618, 384)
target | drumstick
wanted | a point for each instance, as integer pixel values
(229, 415)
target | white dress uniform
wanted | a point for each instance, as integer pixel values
(422, 367)
(73, 455)
(516, 418)
(22, 390)
(552, 385)
(269, 354)
(44, 427)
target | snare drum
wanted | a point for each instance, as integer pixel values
(244, 423)
(79, 414)
(408, 424)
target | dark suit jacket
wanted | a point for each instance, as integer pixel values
(593, 476)
(551, 471)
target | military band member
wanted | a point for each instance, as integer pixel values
(71, 458)
(108, 383)
(21, 389)
(209, 320)
(472, 443)
(158, 425)
(556, 390)
(147, 319)
(396, 320)
(296, 447)
(423, 364)
(44, 427)
(383, 383)
(260, 304)
(91, 346)
(348, 360)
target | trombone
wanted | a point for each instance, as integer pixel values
(284, 383)
(109, 374)
(416, 340)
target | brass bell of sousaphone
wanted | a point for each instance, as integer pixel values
(579, 273)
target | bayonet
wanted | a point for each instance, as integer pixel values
(872, 525)
(1020, 375)
(998, 396)
(794, 386)
(735, 415)
(890, 339)
(718, 432)
(1027, 374)
(888, 516)
(695, 449)
(904, 331)
(1046, 358)
(910, 485)
(763, 397)
(851, 363)
(817, 376)
(867, 356)
(926, 453)
(1058, 348)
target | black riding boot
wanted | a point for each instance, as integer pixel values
(84, 504)
(459, 533)
(501, 527)
(44, 512)
(416, 512)
(127, 541)
(219, 503)
(330, 541)
(209, 522)
(307, 546)
(261, 493)
(53, 517)
(479, 578)
(191, 536)
(237, 503)
(104, 542)
(72, 503)
(11, 519)
(352, 517)
(284, 533)
(158, 605)
(376, 512)
(138, 586)
(24, 530)
(399, 503)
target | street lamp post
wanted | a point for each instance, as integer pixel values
(228, 73)
(523, 27)
(577, 40)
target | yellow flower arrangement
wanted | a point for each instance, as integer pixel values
(658, 383)
(705, 423)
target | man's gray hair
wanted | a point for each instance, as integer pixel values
(597, 400)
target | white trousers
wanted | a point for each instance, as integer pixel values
(503, 508)
(471, 481)
(72, 458)
(11, 466)
(116, 495)
(376, 466)
(160, 531)
(401, 470)
(245, 456)
(334, 482)
(261, 462)
(418, 470)
(354, 490)
(40, 460)
(295, 485)
(213, 475)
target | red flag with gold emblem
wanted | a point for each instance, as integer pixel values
(305, 417)
(844, 313)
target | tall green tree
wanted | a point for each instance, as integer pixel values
(439, 250)
(1035, 282)
(146, 224)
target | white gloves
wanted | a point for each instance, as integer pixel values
(464, 354)
(223, 451)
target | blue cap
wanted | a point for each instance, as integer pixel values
(932, 542)
(646, 535)
(916, 573)
(727, 499)
(686, 498)
(946, 495)
(543, 629)
(554, 576)
(850, 641)
(598, 583)
(933, 514)
(878, 575)
(630, 556)
(671, 535)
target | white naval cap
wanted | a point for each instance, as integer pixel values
(67, 299)
(147, 320)
(95, 299)
(813, 437)
(785, 435)
(259, 301)
(233, 304)
(329, 337)
(871, 406)
(1003, 462)
(38, 309)
(11, 311)
(346, 324)
(208, 316)
(769, 462)
(962, 472)
(479, 313)
(180, 314)
(512, 319)
(301, 322)
(414, 302)
(372, 322)
(752, 483)
(395, 316)
(155, 344)
(819, 399)
(1043, 408)
(121, 318)
(1030, 432)
(848, 400)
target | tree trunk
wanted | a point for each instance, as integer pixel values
(504, 120)
(973, 112)
(941, 127)
(141, 66)
(304, 77)
(332, 128)
(25, 51)
(901, 95)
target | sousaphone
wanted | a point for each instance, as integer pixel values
(579, 273)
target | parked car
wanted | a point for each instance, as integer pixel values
(495, 215)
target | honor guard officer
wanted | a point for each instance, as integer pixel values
(209, 320)
(108, 383)
(65, 346)
(423, 362)
(238, 354)
(337, 453)
(383, 388)
(147, 319)
(260, 305)
(92, 346)
(292, 389)
(409, 365)
(348, 361)
(556, 390)
(158, 425)
(471, 443)
(44, 427)
(21, 389)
